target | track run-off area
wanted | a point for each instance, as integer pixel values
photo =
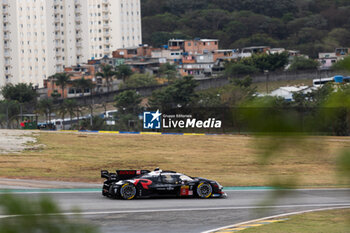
(187, 215)
(162, 215)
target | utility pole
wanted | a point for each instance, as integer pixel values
(7, 115)
(267, 80)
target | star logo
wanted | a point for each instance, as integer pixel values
(152, 120)
(156, 116)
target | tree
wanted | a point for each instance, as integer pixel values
(292, 24)
(239, 69)
(239, 91)
(9, 111)
(178, 94)
(302, 63)
(62, 110)
(169, 71)
(61, 79)
(107, 73)
(84, 85)
(124, 72)
(22, 93)
(313, 99)
(46, 107)
(343, 65)
(139, 80)
(264, 61)
(128, 101)
(55, 95)
(244, 83)
(71, 106)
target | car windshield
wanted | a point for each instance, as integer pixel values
(150, 176)
(170, 178)
(185, 178)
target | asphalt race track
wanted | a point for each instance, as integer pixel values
(192, 215)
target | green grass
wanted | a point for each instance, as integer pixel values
(335, 221)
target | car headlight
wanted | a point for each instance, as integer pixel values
(220, 186)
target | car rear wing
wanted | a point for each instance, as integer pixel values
(122, 174)
(109, 176)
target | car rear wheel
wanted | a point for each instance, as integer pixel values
(204, 190)
(128, 191)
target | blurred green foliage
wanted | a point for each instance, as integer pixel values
(34, 216)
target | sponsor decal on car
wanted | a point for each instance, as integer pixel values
(145, 183)
(184, 190)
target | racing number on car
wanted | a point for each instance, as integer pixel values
(143, 182)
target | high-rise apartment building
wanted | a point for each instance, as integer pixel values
(41, 37)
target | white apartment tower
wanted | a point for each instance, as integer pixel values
(41, 37)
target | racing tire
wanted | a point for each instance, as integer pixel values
(204, 190)
(128, 191)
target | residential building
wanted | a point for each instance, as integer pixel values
(132, 52)
(342, 52)
(198, 66)
(249, 51)
(293, 53)
(42, 37)
(277, 50)
(113, 24)
(327, 60)
(200, 46)
(223, 53)
(173, 55)
(176, 44)
(198, 70)
(75, 72)
(145, 65)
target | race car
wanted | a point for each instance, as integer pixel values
(130, 184)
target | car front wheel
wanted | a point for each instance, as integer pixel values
(204, 190)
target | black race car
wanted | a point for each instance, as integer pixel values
(130, 184)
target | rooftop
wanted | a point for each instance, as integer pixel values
(176, 40)
(208, 40)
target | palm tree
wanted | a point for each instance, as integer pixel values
(46, 106)
(87, 84)
(84, 84)
(107, 73)
(70, 105)
(61, 79)
(62, 110)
